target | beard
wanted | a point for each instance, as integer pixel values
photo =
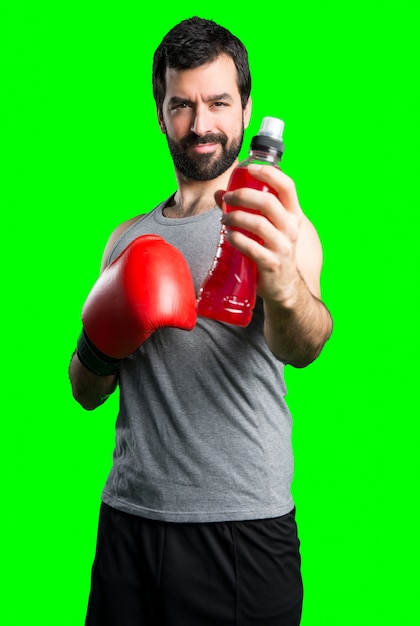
(207, 166)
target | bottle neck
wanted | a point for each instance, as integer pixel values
(266, 156)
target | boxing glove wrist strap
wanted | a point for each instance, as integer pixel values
(95, 360)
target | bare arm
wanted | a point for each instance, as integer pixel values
(289, 262)
(297, 331)
(90, 390)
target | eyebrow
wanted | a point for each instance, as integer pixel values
(222, 96)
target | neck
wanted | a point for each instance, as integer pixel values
(195, 197)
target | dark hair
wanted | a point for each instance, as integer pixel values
(194, 42)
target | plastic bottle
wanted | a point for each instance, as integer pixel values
(228, 293)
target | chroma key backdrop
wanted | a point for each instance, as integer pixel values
(83, 152)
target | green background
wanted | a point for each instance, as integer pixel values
(82, 152)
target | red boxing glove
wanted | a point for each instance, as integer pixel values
(148, 286)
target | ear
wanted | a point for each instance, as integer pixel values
(247, 112)
(160, 120)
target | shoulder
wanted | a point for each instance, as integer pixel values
(115, 236)
(121, 229)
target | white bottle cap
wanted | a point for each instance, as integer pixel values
(272, 127)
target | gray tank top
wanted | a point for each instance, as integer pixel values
(203, 432)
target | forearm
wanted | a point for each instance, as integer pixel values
(90, 390)
(297, 329)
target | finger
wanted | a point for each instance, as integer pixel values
(262, 228)
(280, 247)
(245, 244)
(253, 199)
(267, 204)
(282, 184)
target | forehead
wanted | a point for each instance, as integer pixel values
(219, 76)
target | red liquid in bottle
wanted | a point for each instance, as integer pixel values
(229, 292)
(242, 178)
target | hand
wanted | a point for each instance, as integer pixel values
(278, 224)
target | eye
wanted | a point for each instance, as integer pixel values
(180, 106)
(220, 105)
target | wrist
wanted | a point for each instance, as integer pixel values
(93, 359)
(288, 297)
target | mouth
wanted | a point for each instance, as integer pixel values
(204, 148)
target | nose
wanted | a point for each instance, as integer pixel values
(202, 124)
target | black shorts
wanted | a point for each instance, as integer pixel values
(152, 573)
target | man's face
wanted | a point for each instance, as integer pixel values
(203, 119)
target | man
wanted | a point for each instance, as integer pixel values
(197, 522)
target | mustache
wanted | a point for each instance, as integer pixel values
(195, 140)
